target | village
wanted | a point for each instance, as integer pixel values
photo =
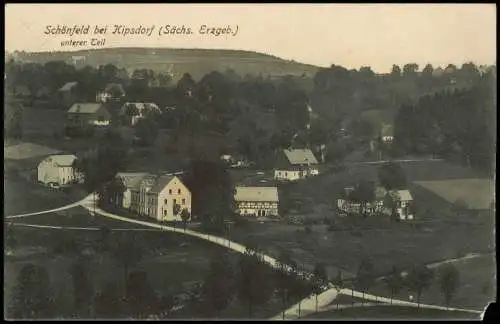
(152, 173)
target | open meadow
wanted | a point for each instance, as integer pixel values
(341, 243)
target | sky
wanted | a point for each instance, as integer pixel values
(350, 35)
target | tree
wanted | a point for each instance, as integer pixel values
(82, 288)
(449, 279)
(146, 131)
(419, 279)
(365, 276)
(140, 297)
(364, 193)
(410, 69)
(391, 176)
(32, 297)
(10, 239)
(127, 252)
(396, 70)
(186, 85)
(219, 284)
(108, 302)
(391, 201)
(185, 216)
(284, 278)
(319, 279)
(212, 193)
(394, 282)
(427, 71)
(253, 280)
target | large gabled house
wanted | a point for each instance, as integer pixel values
(88, 114)
(257, 201)
(130, 180)
(162, 197)
(295, 164)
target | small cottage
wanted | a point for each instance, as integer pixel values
(296, 164)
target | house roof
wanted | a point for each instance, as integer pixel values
(161, 182)
(61, 159)
(85, 108)
(68, 86)
(300, 156)
(405, 195)
(387, 130)
(256, 194)
(131, 179)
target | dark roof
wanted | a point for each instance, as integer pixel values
(161, 182)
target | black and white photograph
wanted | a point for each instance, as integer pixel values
(249, 161)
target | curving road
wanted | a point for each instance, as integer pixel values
(306, 305)
(324, 298)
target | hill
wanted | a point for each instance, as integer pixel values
(197, 62)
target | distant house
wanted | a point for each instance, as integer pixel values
(347, 204)
(404, 204)
(57, 170)
(295, 164)
(130, 180)
(67, 93)
(402, 198)
(112, 92)
(156, 195)
(88, 114)
(257, 201)
(133, 111)
(387, 133)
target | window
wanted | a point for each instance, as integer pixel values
(286, 174)
(175, 201)
(164, 213)
(165, 201)
(183, 201)
(169, 191)
(179, 191)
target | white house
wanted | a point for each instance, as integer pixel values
(84, 114)
(57, 170)
(134, 111)
(162, 197)
(257, 201)
(404, 204)
(296, 164)
(112, 92)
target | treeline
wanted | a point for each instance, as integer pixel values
(339, 92)
(459, 125)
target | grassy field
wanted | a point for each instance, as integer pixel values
(390, 313)
(436, 234)
(477, 193)
(21, 196)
